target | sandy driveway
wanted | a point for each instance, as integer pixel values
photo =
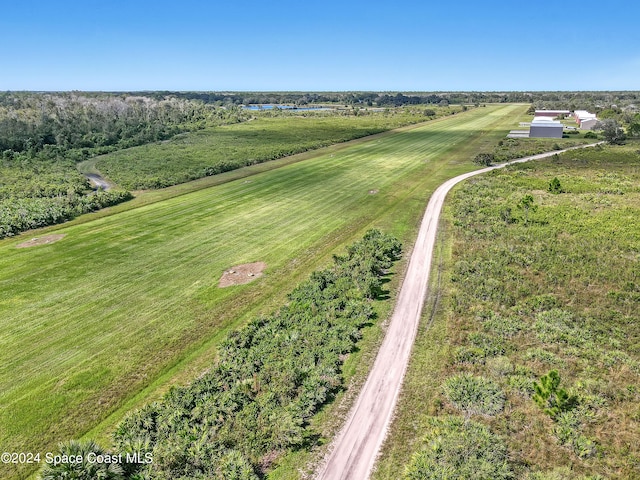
(354, 451)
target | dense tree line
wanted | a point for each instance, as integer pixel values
(271, 377)
(63, 122)
(28, 213)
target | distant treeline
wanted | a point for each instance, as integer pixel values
(561, 100)
(271, 378)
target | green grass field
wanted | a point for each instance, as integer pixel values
(521, 297)
(128, 303)
(266, 137)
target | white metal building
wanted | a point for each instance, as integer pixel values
(588, 123)
(545, 127)
(582, 116)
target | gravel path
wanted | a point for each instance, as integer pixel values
(354, 451)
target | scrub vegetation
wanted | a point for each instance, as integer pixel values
(127, 303)
(36, 192)
(539, 305)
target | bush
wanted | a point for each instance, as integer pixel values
(474, 395)
(542, 355)
(590, 134)
(84, 469)
(550, 397)
(472, 355)
(500, 366)
(484, 159)
(458, 449)
(554, 186)
(521, 383)
(567, 431)
(506, 327)
(491, 346)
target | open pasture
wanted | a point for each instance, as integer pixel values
(123, 305)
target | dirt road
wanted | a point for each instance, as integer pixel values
(355, 449)
(98, 181)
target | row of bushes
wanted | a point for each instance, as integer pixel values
(271, 377)
(19, 215)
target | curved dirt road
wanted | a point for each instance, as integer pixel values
(98, 181)
(354, 451)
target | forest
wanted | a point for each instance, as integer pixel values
(44, 135)
(561, 99)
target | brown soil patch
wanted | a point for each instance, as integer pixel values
(41, 240)
(242, 274)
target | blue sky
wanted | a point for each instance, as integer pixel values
(319, 46)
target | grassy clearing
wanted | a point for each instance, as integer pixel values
(127, 304)
(219, 149)
(525, 293)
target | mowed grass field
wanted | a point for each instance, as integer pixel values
(123, 305)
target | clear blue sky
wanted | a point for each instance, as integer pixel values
(320, 46)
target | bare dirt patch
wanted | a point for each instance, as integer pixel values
(241, 274)
(41, 240)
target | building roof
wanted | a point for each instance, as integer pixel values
(555, 112)
(584, 114)
(545, 122)
(592, 119)
(544, 119)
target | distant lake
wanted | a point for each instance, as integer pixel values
(282, 107)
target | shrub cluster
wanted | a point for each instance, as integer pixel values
(23, 214)
(40, 191)
(455, 448)
(474, 395)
